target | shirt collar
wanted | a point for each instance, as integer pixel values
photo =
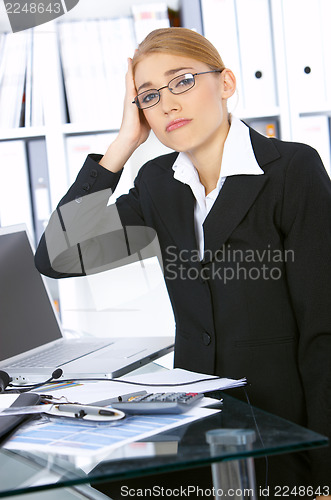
(235, 161)
(239, 160)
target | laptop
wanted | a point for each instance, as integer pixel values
(32, 344)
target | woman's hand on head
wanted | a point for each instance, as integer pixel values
(134, 128)
(133, 132)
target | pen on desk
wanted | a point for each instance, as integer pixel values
(82, 410)
(122, 398)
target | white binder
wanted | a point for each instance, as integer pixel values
(15, 200)
(326, 34)
(117, 44)
(148, 17)
(257, 55)
(220, 28)
(79, 146)
(13, 67)
(314, 130)
(305, 53)
(39, 181)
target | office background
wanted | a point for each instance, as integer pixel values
(61, 94)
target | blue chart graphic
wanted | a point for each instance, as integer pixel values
(67, 435)
(25, 14)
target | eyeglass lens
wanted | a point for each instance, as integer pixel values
(177, 85)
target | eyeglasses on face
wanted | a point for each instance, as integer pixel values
(177, 85)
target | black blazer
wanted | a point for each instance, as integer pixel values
(259, 304)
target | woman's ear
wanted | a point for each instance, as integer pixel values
(228, 83)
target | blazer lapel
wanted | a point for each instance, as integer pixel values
(174, 202)
(236, 197)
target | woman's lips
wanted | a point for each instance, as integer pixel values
(180, 122)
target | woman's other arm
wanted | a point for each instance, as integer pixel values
(307, 229)
(83, 228)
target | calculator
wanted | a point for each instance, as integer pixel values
(160, 402)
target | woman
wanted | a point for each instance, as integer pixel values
(243, 224)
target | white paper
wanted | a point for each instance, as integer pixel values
(6, 400)
(92, 392)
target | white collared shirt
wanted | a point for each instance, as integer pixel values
(236, 160)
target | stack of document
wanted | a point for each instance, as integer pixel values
(175, 380)
(86, 443)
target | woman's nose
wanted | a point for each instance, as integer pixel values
(169, 101)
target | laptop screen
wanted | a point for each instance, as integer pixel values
(27, 318)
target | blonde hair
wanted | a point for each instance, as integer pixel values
(179, 41)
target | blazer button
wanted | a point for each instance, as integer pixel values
(204, 274)
(202, 280)
(206, 338)
(86, 186)
(93, 173)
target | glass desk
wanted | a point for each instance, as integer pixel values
(182, 448)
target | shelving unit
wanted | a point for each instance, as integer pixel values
(286, 112)
(9, 134)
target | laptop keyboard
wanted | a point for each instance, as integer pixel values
(61, 353)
